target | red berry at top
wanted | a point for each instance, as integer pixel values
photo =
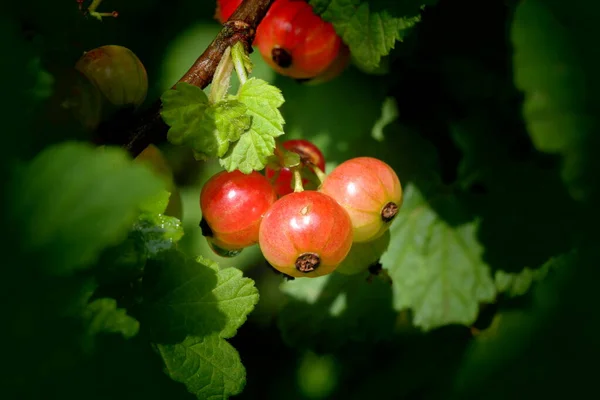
(225, 8)
(295, 41)
(370, 191)
(305, 234)
(310, 155)
(233, 205)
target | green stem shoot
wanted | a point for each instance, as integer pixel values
(238, 54)
(298, 187)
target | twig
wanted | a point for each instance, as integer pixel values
(134, 132)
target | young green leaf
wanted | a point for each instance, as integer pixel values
(188, 297)
(370, 28)
(255, 146)
(209, 366)
(207, 128)
(103, 316)
(74, 200)
(437, 269)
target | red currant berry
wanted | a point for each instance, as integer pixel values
(233, 205)
(310, 155)
(225, 8)
(370, 191)
(305, 234)
(295, 41)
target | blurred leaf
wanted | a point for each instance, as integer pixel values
(251, 152)
(550, 338)
(436, 268)
(513, 197)
(103, 316)
(555, 67)
(317, 375)
(337, 116)
(326, 312)
(158, 232)
(209, 367)
(193, 297)
(363, 255)
(370, 28)
(29, 85)
(517, 284)
(73, 200)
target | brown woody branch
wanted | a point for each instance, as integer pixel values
(135, 132)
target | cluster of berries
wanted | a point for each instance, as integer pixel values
(295, 41)
(300, 232)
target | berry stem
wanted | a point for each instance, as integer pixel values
(319, 172)
(298, 187)
(98, 15)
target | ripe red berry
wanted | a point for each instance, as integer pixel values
(310, 155)
(295, 41)
(225, 8)
(233, 205)
(370, 191)
(305, 234)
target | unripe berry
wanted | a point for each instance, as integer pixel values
(117, 72)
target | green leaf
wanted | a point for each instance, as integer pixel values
(555, 65)
(193, 297)
(363, 255)
(327, 312)
(191, 307)
(231, 121)
(74, 200)
(158, 232)
(517, 284)
(29, 85)
(255, 146)
(209, 366)
(370, 28)
(103, 316)
(157, 204)
(437, 269)
(207, 128)
(184, 110)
